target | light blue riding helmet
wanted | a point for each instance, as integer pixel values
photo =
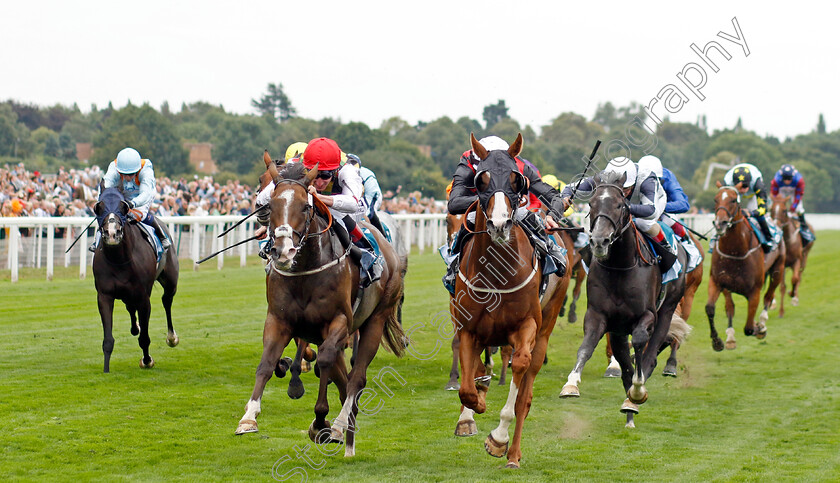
(128, 161)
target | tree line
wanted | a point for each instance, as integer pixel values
(45, 138)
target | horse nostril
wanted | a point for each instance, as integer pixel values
(508, 224)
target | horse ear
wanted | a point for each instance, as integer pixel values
(719, 184)
(270, 166)
(516, 147)
(124, 208)
(310, 175)
(477, 148)
(622, 179)
(98, 208)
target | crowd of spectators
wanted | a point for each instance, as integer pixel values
(74, 192)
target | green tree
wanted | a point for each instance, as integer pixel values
(821, 125)
(494, 113)
(240, 142)
(357, 137)
(275, 103)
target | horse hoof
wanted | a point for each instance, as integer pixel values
(572, 317)
(305, 366)
(466, 428)
(636, 400)
(150, 365)
(629, 407)
(172, 339)
(313, 433)
(296, 390)
(512, 465)
(670, 371)
(495, 448)
(731, 345)
(630, 424)
(717, 344)
(452, 386)
(761, 335)
(569, 391)
(612, 372)
(246, 426)
(795, 301)
(336, 436)
(135, 329)
(282, 367)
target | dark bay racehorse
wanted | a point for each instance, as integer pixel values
(497, 302)
(312, 289)
(796, 254)
(623, 291)
(125, 268)
(739, 265)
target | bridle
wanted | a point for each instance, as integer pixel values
(730, 220)
(616, 233)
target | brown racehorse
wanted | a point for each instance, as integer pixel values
(497, 301)
(740, 266)
(795, 254)
(312, 288)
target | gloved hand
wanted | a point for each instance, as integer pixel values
(755, 213)
(559, 205)
(131, 204)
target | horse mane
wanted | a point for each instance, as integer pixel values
(608, 177)
(293, 171)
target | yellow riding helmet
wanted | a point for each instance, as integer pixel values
(552, 181)
(295, 150)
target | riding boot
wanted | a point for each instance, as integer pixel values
(765, 230)
(805, 231)
(164, 240)
(452, 268)
(543, 243)
(361, 252)
(374, 220)
(96, 238)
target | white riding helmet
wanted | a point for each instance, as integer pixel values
(492, 143)
(620, 165)
(128, 161)
(652, 164)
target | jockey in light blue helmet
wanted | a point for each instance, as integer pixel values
(135, 177)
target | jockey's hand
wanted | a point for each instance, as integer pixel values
(130, 203)
(559, 206)
(550, 224)
(312, 190)
(261, 232)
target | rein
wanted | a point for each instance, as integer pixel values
(729, 224)
(472, 207)
(616, 234)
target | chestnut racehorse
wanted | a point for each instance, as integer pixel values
(312, 290)
(740, 266)
(497, 301)
(795, 253)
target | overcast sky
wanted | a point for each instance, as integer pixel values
(368, 61)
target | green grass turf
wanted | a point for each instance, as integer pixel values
(767, 411)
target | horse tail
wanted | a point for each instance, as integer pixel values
(679, 327)
(393, 336)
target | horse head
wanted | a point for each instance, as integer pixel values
(111, 214)
(500, 187)
(609, 215)
(291, 211)
(779, 209)
(727, 209)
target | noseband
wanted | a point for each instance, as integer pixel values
(730, 220)
(310, 214)
(616, 234)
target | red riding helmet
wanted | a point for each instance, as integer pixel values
(324, 152)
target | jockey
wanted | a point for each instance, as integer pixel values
(790, 182)
(463, 194)
(677, 201)
(582, 238)
(294, 151)
(373, 193)
(646, 199)
(747, 179)
(340, 188)
(135, 177)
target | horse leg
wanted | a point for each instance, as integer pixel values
(468, 393)
(579, 276)
(671, 364)
(144, 311)
(563, 306)
(328, 354)
(782, 293)
(752, 306)
(276, 337)
(453, 385)
(613, 368)
(714, 293)
(594, 327)
(506, 351)
(135, 327)
(730, 315)
(777, 273)
(622, 354)
(106, 313)
(497, 442)
(370, 335)
(643, 334)
(355, 348)
(488, 361)
(795, 279)
(169, 288)
(296, 389)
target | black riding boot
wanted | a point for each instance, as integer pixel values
(805, 230)
(374, 220)
(362, 252)
(161, 234)
(452, 269)
(765, 230)
(542, 243)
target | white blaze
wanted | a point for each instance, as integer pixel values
(499, 215)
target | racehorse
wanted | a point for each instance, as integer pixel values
(623, 294)
(795, 253)
(125, 268)
(579, 274)
(738, 265)
(497, 302)
(312, 292)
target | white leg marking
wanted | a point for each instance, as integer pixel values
(467, 414)
(500, 434)
(637, 391)
(614, 363)
(764, 317)
(574, 379)
(252, 410)
(341, 422)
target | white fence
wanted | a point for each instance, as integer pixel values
(32, 241)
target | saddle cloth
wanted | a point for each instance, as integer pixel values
(774, 230)
(149, 235)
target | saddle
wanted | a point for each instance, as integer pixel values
(774, 230)
(150, 236)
